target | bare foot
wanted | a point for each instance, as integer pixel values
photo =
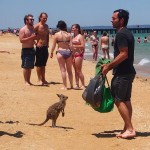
(28, 83)
(63, 88)
(77, 88)
(45, 82)
(82, 87)
(127, 134)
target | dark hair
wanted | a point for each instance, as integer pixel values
(123, 14)
(78, 27)
(104, 33)
(62, 25)
(26, 17)
(41, 15)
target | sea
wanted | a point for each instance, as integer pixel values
(141, 54)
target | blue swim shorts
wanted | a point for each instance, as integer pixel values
(28, 58)
(121, 87)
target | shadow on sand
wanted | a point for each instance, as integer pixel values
(66, 128)
(47, 85)
(18, 134)
(110, 134)
(10, 122)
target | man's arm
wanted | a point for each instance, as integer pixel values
(48, 36)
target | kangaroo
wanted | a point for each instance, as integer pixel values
(54, 110)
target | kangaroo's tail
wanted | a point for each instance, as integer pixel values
(40, 123)
(43, 122)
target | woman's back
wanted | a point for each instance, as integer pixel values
(63, 39)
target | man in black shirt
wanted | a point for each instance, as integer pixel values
(123, 70)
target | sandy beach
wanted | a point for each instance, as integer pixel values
(82, 128)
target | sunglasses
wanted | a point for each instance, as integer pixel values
(31, 19)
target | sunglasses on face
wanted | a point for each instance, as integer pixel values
(31, 19)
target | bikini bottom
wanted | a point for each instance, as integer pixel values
(65, 53)
(105, 47)
(78, 55)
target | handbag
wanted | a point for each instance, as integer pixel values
(93, 92)
(107, 103)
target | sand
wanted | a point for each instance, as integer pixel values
(82, 128)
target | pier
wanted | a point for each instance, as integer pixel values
(135, 29)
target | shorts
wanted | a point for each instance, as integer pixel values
(28, 58)
(41, 56)
(121, 87)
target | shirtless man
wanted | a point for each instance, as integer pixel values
(42, 31)
(27, 37)
(104, 45)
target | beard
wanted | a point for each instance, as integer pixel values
(30, 24)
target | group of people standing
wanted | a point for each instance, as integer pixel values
(69, 53)
(102, 42)
(34, 35)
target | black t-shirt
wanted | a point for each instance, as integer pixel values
(124, 38)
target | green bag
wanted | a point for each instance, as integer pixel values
(107, 103)
(101, 61)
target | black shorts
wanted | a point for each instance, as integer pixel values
(28, 58)
(121, 87)
(41, 56)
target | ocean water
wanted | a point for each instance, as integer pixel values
(141, 54)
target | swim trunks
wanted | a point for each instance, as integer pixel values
(121, 87)
(65, 53)
(28, 58)
(41, 56)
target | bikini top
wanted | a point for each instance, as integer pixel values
(76, 40)
(63, 40)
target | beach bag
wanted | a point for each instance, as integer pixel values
(93, 92)
(101, 61)
(107, 103)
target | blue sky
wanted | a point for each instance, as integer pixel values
(83, 12)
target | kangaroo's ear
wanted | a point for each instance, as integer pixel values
(58, 95)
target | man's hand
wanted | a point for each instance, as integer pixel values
(105, 69)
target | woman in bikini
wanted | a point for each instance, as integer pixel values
(104, 45)
(64, 54)
(94, 41)
(78, 46)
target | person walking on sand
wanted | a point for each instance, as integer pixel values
(78, 46)
(104, 45)
(27, 38)
(64, 54)
(94, 41)
(42, 31)
(123, 71)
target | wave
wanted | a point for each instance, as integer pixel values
(144, 61)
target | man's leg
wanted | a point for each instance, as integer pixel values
(125, 110)
(27, 75)
(43, 75)
(39, 74)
